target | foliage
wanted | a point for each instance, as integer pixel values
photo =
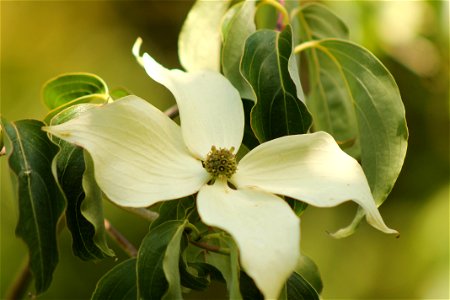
(349, 94)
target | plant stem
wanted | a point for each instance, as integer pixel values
(305, 46)
(120, 239)
(279, 7)
(211, 248)
(281, 17)
(215, 235)
(142, 212)
(20, 284)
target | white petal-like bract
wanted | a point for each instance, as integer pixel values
(199, 41)
(311, 168)
(264, 227)
(138, 152)
(211, 110)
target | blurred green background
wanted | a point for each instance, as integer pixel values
(41, 39)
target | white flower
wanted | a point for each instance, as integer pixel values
(142, 157)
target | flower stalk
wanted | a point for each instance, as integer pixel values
(120, 239)
(20, 285)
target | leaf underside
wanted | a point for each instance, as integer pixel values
(41, 203)
(266, 65)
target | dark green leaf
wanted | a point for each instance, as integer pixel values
(193, 276)
(173, 210)
(69, 170)
(68, 87)
(249, 140)
(318, 22)
(84, 212)
(204, 269)
(228, 265)
(192, 281)
(158, 262)
(354, 97)
(297, 288)
(297, 206)
(309, 271)
(248, 288)
(240, 24)
(269, 66)
(41, 203)
(119, 283)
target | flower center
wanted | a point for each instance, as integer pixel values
(220, 162)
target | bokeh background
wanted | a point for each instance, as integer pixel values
(41, 39)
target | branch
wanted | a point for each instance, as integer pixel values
(20, 284)
(211, 248)
(120, 239)
(281, 17)
(142, 212)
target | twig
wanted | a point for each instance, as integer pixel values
(143, 212)
(211, 248)
(280, 21)
(20, 284)
(172, 112)
(120, 239)
(279, 6)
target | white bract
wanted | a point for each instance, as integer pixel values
(142, 157)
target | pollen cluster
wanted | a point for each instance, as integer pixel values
(220, 162)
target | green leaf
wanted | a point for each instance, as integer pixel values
(309, 271)
(198, 282)
(40, 200)
(248, 288)
(199, 41)
(193, 275)
(68, 87)
(297, 288)
(249, 140)
(158, 262)
(118, 93)
(318, 22)
(89, 99)
(238, 27)
(84, 213)
(354, 97)
(92, 206)
(297, 206)
(269, 66)
(119, 283)
(173, 210)
(228, 265)
(266, 17)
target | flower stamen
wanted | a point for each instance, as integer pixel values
(220, 162)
